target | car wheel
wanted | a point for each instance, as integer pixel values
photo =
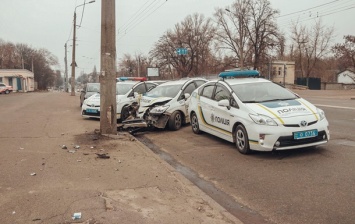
(242, 140)
(125, 113)
(175, 121)
(7, 92)
(194, 124)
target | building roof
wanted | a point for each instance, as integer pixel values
(16, 73)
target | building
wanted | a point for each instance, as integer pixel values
(21, 80)
(346, 77)
(282, 72)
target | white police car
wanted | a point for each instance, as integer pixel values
(125, 90)
(256, 114)
(167, 103)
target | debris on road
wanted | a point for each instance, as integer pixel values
(64, 147)
(72, 151)
(76, 215)
(33, 174)
(102, 155)
(77, 147)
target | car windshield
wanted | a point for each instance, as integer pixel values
(93, 87)
(262, 92)
(122, 88)
(164, 91)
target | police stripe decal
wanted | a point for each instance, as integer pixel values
(211, 126)
(254, 142)
(309, 109)
(279, 118)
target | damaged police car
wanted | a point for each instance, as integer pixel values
(256, 114)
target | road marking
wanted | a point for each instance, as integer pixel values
(345, 142)
(349, 108)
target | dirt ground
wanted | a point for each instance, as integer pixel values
(107, 180)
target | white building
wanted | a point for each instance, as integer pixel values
(21, 80)
(346, 77)
(283, 72)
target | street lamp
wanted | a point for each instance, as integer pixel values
(73, 63)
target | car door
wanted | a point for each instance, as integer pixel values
(205, 109)
(221, 116)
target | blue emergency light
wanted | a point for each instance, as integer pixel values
(239, 73)
(132, 78)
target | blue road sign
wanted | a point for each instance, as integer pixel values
(181, 51)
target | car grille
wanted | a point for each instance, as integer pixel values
(297, 125)
(290, 141)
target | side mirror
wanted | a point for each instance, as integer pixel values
(224, 103)
(135, 95)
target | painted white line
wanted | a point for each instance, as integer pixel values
(349, 108)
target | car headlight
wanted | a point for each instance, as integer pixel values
(262, 120)
(321, 114)
(159, 109)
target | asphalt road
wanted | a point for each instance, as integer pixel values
(311, 185)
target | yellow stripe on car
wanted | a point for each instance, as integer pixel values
(279, 118)
(308, 108)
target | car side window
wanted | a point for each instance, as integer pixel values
(207, 91)
(233, 103)
(199, 82)
(140, 88)
(190, 88)
(221, 94)
(150, 86)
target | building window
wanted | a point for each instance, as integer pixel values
(279, 70)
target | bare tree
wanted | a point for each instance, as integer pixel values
(345, 53)
(263, 31)
(232, 30)
(313, 44)
(195, 34)
(247, 28)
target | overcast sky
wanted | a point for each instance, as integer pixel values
(139, 23)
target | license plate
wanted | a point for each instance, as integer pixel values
(94, 111)
(305, 134)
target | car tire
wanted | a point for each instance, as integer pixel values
(242, 140)
(175, 121)
(124, 113)
(7, 91)
(194, 124)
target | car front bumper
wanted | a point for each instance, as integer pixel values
(268, 138)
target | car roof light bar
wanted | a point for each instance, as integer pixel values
(132, 78)
(239, 74)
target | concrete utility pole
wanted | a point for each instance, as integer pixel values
(73, 64)
(66, 70)
(108, 118)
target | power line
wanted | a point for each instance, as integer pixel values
(82, 13)
(133, 16)
(133, 26)
(308, 8)
(144, 14)
(319, 14)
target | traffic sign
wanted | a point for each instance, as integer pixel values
(181, 51)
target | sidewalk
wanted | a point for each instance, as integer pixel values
(106, 179)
